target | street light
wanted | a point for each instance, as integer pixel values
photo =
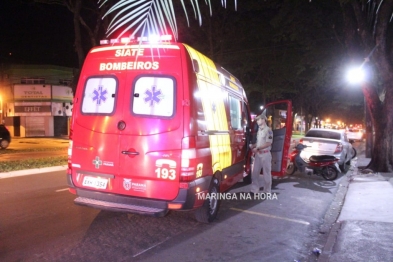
(357, 76)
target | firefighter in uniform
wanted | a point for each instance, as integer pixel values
(262, 156)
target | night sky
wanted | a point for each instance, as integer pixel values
(33, 34)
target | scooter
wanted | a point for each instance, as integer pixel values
(324, 165)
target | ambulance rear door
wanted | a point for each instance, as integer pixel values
(151, 129)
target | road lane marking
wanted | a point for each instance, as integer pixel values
(35, 171)
(143, 251)
(60, 190)
(271, 216)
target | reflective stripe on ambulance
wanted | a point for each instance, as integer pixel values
(214, 109)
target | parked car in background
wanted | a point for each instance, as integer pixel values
(5, 137)
(355, 134)
(320, 141)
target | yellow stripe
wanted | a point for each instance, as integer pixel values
(212, 98)
(271, 216)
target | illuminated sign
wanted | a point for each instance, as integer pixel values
(32, 92)
(129, 52)
(35, 109)
(63, 93)
(137, 65)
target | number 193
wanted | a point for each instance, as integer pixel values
(165, 173)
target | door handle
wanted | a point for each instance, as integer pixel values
(130, 153)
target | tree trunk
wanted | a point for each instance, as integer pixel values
(380, 110)
(382, 152)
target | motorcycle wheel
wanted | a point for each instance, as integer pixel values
(291, 169)
(353, 153)
(329, 173)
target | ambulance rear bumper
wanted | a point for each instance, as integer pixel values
(120, 204)
(135, 205)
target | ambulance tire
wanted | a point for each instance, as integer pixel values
(208, 211)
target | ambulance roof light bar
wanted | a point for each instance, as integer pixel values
(123, 40)
(155, 38)
(127, 40)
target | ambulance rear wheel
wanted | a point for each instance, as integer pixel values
(208, 211)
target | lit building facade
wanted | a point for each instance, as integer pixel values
(36, 100)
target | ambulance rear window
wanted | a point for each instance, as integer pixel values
(154, 96)
(99, 95)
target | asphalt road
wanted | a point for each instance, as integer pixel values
(39, 222)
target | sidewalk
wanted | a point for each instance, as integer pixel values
(364, 228)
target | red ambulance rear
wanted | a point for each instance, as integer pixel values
(155, 126)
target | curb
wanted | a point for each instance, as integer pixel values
(32, 171)
(331, 224)
(331, 241)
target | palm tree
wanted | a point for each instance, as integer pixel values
(150, 16)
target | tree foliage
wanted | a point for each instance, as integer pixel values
(89, 27)
(292, 49)
(149, 16)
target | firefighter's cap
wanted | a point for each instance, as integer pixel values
(260, 117)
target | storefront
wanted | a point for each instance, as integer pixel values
(39, 110)
(36, 100)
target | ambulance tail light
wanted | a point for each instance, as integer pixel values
(188, 159)
(69, 150)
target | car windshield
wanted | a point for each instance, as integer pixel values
(353, 130)
(323, 134)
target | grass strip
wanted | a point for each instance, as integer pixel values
(16, 165)
(13, 151)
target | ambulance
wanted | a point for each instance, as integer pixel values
(156, 126)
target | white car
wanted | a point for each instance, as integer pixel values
(355, 134)
(320, 141)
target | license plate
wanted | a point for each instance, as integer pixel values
(96, 182)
